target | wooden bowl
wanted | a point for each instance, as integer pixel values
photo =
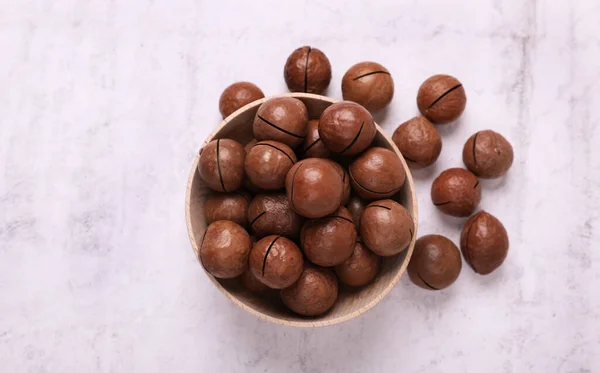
(350, 303)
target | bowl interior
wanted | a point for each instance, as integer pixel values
(351, 302)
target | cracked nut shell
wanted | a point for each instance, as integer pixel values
(488, 154)
(221, 165)
(484, 243)
(270, 214)
(313, 147)
(307, 69)
(360, 268)
(282, 119)
(227, 206)
(313, 294)
(346, 128)
(224, 249)
(377, 173)
(435, 263)
(268, 163)
(386, 227)
(419, 142)
(368, 84)
(238, 95)
(250, 282)
(441, 99)
(329, 240)
(456, 192)
(276, 261)
(355, 207)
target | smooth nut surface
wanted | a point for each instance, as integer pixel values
(329, 240)
(377, 173)
(267, 164)
(368, 84)
(313, 147)
(313, 294)
(276, 261)
(250, 282)
(282, 119)
(355, 207)
(307, 69)
(360, 268)
(346, 128)
(224, 249)
(272, 214)
(418, 141)
(488, 154)
(484, 243)
(314, 186)
(456, 192)
(441, 99)
(238, 95)
(227, 206)
(435, 263)
(386, 227)
(221, 165)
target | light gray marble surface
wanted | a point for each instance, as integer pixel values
(104, 103)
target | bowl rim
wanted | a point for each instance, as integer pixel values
(308, 323)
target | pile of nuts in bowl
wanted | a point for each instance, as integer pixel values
(308, 203)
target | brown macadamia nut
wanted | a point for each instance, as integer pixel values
(377, 173)
(346, 128)
(224, 249)
(435, 263)
(418, 141)
(268, 163)
(227, 206)
(487, 154)
(329, 240)
(221, 165)
(456, 192)
(484, 243)
(250, 282)
(313, 147)
(313, 294)
(369, 84)
(270, 214)
(441, 99)
(276, 261)
(361, 268)
(355, 207)
(314, 186)
(238, 95)
(307, 69)
(386, 227)
(249, 145)
(282, 119)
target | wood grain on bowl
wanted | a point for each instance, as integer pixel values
(238, 126)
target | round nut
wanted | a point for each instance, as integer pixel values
(221, 165)
(418, 141)
(369, 84)
(441, 99)
(238, 95)
(276, 261)
(224, 249)
(270, 214)
(487, 154)
(313, 294)
(435, 263)
(227, 206)
(250, 282)
(386, 227)
(484, 243)
(314, 186)
(268, 163)
(355, 207)
(313, 147)
(361, 268)
(456, 192)
(307, 69)
(346, 128)
(377, 173)
(329, 240)
(282, 119)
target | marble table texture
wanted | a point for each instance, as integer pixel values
(104, 103)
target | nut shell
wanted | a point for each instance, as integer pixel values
(368, 84)
(272, 214)
(282, 119)
(267, 164)
(221, 165)
(386, 227)
(441, 99)
(346, 128)
(307, 69)
(227, 206)
(224, 249)
(377, 173)
(484, 243)
(355, 207)
(313, 147)
(456, 192)
(238, 95)
(435, 263)
(276, 261)
(313, 294)
(360, 268)
(250, 282)
(419, 142)
(488, 154)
